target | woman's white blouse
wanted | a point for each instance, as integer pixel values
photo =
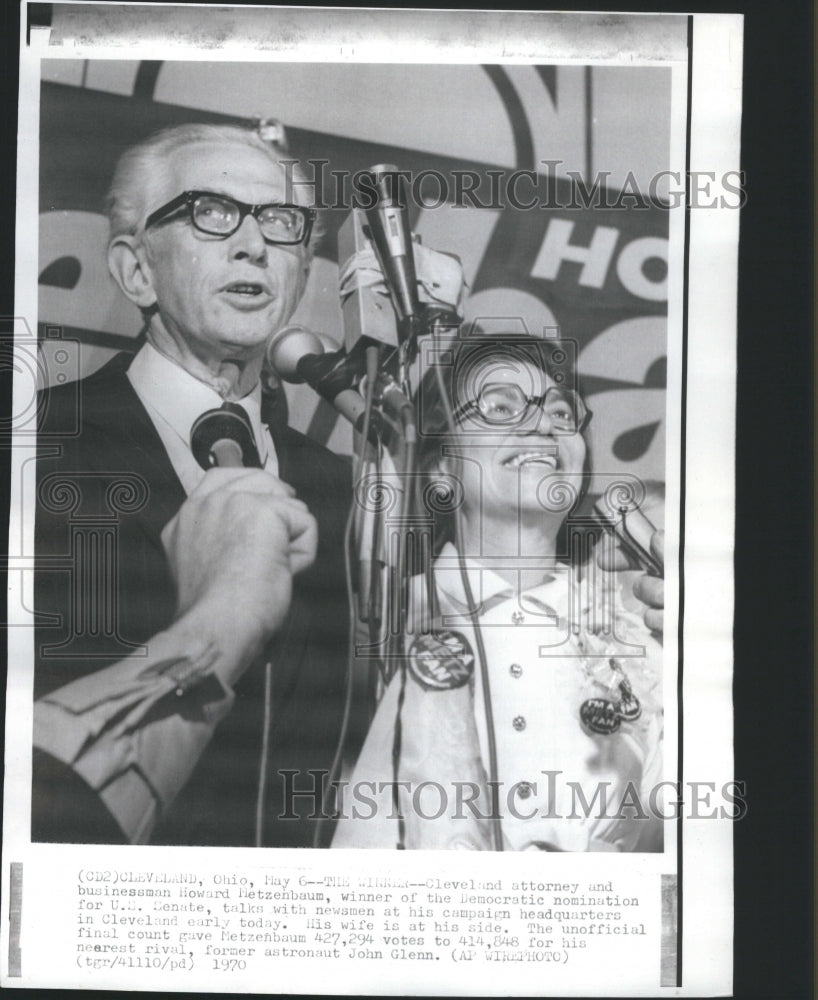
(563, 659)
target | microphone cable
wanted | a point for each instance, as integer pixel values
(261, 791)
(399, 592)
(496, 820)
(372, 359)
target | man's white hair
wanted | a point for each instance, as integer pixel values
(142, 169)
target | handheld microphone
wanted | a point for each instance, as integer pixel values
(388, 221)
(298, 355)
(633, 530)
(223, 437)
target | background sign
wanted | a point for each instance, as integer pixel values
(550, 183)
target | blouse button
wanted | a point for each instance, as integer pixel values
(519, 723)
(524, 789)
(515, 670)
(517, 617)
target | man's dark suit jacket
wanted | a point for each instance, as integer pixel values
(94, 435)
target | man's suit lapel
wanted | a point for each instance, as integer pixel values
(130, 432)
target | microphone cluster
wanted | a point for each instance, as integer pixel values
(298, 355)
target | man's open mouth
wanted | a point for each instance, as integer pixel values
(251, 289)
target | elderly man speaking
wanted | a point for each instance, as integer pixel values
(213, 674)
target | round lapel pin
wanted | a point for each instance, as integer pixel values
(441, 661)
(600, 716)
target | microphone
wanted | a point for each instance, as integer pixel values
(388, 221)
(366, 304)
(223, 437)
(298, 355)
(378, 259)
(634, 530)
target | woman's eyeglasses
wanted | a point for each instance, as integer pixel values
(502, 404)
(218, 215)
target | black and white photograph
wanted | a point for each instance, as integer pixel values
(371, 540)
(538, 291)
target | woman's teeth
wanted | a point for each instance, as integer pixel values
(531, 458)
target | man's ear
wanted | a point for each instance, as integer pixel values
(132, 272)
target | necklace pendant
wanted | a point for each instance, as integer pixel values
(629, 707)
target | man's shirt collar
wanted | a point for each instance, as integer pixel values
(180, 398)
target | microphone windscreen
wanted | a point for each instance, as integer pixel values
(228, 423)
(287, 347)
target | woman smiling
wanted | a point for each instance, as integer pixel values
(526, 712)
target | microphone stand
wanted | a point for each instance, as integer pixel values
(390, 413)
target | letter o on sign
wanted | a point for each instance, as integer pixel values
(631, 268)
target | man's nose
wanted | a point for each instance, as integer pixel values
(247, 243)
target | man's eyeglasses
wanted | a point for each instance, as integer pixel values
(218, 215)
(502, 404)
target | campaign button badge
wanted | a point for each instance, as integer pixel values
(600, 716)
(441, 661)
